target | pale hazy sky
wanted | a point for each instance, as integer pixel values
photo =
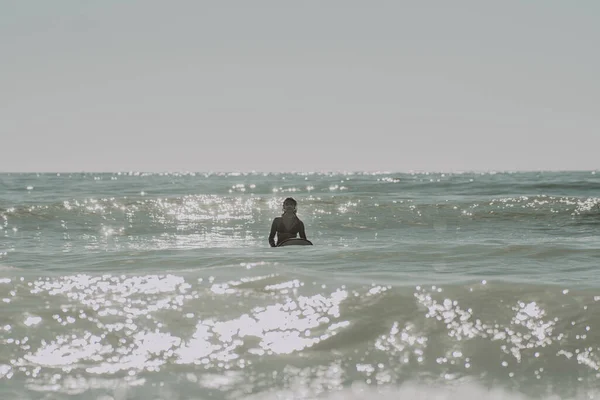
(397, 85)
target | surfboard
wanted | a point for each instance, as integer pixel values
(295, 242)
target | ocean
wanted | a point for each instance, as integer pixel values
(147, 286)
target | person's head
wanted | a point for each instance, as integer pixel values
(290, 204)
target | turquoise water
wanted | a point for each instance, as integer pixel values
(133, 285)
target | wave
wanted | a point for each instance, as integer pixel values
(203, 207)
(276, 335)
(223, 386)
(411, 390)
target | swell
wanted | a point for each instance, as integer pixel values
(205, 207)
(150, 210)
(532, 338)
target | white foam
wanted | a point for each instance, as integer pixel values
(465, 391)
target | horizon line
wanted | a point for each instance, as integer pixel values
(306, 172)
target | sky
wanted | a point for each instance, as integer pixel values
(280, 86)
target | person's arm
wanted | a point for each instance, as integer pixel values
(301, 230)
(273, 232)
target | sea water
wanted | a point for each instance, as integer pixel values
(419, 285)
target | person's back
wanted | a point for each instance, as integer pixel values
(287, 226)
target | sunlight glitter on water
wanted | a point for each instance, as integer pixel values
(139, 327)
(108, 324)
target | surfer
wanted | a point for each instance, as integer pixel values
(288, 225)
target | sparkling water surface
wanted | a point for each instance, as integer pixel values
(447, 285)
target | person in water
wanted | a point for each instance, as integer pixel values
(288, 225)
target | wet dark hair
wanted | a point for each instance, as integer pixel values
(290, 200)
